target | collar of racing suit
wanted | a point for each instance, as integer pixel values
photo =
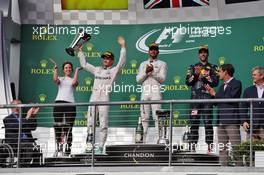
(104, 67)
(204, 64)
(153, 60)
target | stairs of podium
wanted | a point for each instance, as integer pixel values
(136, 155)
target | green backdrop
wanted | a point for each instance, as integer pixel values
(239, 42)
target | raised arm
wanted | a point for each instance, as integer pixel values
(75, 77)
(122, 58)
(87, 66)
(30, 122)
(55, 72)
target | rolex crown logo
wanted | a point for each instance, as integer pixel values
(221, 60)
(44, 30)
(133, 97)
(43, 63)
(176, 114)
(42, 98)
(90, 47)
(133, 64)
(85, 114)
(88, 81)
(217, 70)
(177, 79)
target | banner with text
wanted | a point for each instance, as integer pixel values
(239, 42)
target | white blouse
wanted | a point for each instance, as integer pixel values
(66, 90)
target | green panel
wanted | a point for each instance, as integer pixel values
(239, 42)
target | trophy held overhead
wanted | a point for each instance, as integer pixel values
(80, 39)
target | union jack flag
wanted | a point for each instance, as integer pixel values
(149, 4)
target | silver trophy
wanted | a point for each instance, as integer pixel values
(77, 42)
(163, 118)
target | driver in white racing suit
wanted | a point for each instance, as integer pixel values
(104, 76)
(152, 73)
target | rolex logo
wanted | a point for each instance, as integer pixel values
(43, 63)
(177, 79)
(176, 114)
(221, 60)
(42, 98)
(132, 97)
(44, 30)
(90, 47)
(85, 114)
(88, 81)
(133, 64)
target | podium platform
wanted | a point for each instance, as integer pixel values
(136, 155)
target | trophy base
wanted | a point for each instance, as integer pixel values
(163, 141)
(70, 51)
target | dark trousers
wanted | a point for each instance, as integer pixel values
(30, 152)
(228, 133)
(197, 111)
(64, 114)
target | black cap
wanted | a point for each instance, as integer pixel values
(108, 54)
(154, 46)
(203, 48)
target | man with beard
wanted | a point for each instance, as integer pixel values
(198, 76)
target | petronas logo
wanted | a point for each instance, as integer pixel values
(133, 64)
(90, 47)
(43, 63)
(88, 81)
(177, 79)
(132, 97)
(176, 114)
(221, 60)
(42, 98)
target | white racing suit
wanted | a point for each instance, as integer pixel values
(103, 80)
(151, 90)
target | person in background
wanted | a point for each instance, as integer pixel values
(64, 116)
(198, 76)
(228, 113)
(255, 91)
(29, 123)
(152, 73)
(104, 77)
